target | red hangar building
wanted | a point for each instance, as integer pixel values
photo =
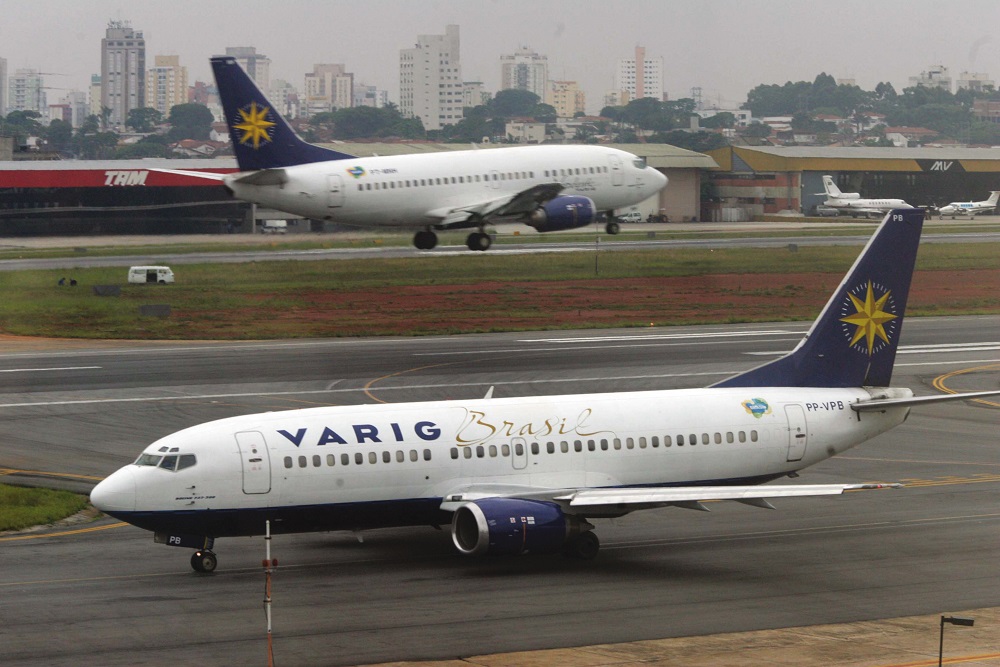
(116, 197)
(763, 180)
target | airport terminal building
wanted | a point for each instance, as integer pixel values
(756, 181)
(132, 197)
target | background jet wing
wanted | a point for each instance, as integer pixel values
(520, 203)
(618, 501)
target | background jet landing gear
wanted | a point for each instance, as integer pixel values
(425, 240)
(612, 227)
(479, 241)
(204, 560)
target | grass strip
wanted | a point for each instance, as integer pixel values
(22, 508)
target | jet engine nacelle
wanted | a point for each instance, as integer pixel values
(511, 526)
(568, 212)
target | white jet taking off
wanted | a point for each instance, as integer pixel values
(529, 474)
(549, 188)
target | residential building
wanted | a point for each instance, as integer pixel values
(123, 71)
(328, 87)
(370, 96)
(640, 76)
(3, 86)
(474, 95)
(285, 96)
(76, 108)
(257, 65)
(94, 96)
(166, 84)
(566, 97)
(986, 110)
(975, 81)
(430, 79)
(26, 92)
(525, 70)
(936, 76)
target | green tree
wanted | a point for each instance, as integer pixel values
(723, 119)
(512, 103)
(22, 124)
(190, 121)
(59, 135)
(144, 119)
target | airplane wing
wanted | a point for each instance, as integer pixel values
(612, 502)
(520, 203)
(880, 404)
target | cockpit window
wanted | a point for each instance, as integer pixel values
(639, 163)
(169, 462)
(147, 460)
(186, 461)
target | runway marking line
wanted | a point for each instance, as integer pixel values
(369, 385)
(44, 473)
(78, 531)
(939, 382)
(946, 661)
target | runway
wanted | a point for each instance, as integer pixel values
(102, 593)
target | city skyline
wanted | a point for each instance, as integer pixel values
(718, 46)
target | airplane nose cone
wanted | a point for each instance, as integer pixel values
(661, 180)
(116, 493)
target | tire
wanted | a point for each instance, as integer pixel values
(478, 241)
(204, 561)
(584, 547)
(612, 228)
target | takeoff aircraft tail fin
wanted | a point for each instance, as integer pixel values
(261, 138)
(994, 198)
(853, 342)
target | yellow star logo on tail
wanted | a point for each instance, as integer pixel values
(869, 319)
(255, 125)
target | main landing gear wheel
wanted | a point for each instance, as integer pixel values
(479, 241)
(584, 547)
(612, 228)
(425, 240)
(204, 561)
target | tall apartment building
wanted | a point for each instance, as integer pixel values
(567, 98)
(3, 86)
(640, 76)
(166, 84)
(95, 96)
(525, 70)
(430, 80)
(370, 96)
(257, 65)
(123, 71)
(285, 96)
(474, 95)
(26, 92)
(328, 87)
(936, 76)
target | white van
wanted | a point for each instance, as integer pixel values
(274, 227)
(630, 216)
(157, 275)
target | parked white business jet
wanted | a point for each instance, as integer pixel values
(547, 187)
(971, 208)
(515, 475)
(853, 204)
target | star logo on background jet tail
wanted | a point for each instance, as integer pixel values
(869, 319)
(254, 125)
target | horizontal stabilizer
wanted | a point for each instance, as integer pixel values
(208, 176)
(880, 404)
(263, 177)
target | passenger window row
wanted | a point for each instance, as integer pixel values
(564, 446)
(477, 178)
(359, 458)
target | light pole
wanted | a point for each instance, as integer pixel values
(954, 620)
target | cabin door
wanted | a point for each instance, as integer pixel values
(256, 462)
(798, 434)
(615, 167)
(335, 191)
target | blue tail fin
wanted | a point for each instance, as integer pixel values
(853, 342)
(261, 137)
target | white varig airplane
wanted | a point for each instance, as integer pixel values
(529, 474)
(547, 187)
(852, 203)
(971, 208)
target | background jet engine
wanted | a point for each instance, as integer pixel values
(567, 212)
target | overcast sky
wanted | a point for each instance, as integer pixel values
(724, 46)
